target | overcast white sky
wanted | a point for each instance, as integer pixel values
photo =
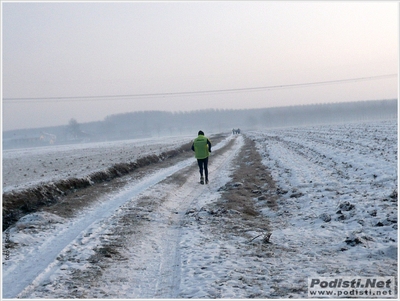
(73, 49)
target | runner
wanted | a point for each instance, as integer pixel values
(202, 148)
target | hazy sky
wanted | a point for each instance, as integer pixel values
(74, 49)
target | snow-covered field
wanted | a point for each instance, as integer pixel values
(336, 215)
(23, 168)
(338, 205)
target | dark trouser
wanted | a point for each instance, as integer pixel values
(203, 164)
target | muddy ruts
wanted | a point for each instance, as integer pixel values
(19, 203)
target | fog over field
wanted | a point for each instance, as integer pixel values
(147, 124)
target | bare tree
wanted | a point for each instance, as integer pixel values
(74, 128)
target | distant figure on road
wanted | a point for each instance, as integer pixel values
(202, 148)
(235, 131)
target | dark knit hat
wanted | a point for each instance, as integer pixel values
(201, 133)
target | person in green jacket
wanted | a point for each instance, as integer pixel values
(202, 148)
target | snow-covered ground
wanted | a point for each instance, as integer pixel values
(23, 168)
(336, 215)
(338, 199)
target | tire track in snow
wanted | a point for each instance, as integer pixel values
(41, 261)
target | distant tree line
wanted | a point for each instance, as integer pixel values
(329, 113)
(143, 124)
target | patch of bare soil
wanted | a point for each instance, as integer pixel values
(68, 196)
(251, 189)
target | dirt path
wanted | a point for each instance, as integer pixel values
(131, 239)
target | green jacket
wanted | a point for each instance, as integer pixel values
(201, 147)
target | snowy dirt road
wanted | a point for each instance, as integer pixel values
(123, 247)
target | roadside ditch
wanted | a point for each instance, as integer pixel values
(18, 203)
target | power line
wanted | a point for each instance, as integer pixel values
(202, 92)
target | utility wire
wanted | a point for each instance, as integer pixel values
(202, 92)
